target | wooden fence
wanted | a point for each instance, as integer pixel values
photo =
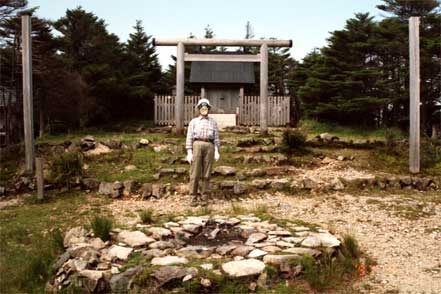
(249, 110)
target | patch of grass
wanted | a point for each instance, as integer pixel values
(330, 272)
(101, 227)
(65, 168)
(147, 216)
(237, 209)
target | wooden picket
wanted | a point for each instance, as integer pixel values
(249, 110)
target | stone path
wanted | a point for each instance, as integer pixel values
(405, 245)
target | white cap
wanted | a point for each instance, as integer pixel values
(203, 100)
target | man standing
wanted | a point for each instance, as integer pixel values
(202, 146)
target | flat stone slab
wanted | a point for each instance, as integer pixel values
(243, 268)
(120, 252)
(255, 237)
(279, 259)
(257, 253)
(169, 260)
(159, 233)
(320, 239)
(134, 238)
(302, 251)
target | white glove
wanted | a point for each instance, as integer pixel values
(189, 156)
(216, 154)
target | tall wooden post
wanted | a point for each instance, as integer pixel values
(180, 80)
(28, 117)
(264, 89)
(414, 89)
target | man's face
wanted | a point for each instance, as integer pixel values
(203, 110)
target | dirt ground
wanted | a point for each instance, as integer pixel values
(401, 231)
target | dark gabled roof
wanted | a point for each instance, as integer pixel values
(222, 72)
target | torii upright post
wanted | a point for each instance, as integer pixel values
(28, 117)
(264, 89)
(180, 80)
(414, 89)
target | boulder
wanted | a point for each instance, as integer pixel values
(146, 190)
(159, 233)
(120, 283)
(241, 250)
(195, 251)
(310, 184)
(225, 249)
(119, 252)
(256, 253)
(225, 170)
(161, 245)
(90, 183)
(240, 188)
(165, 274)
(260, 184)
(320, 239)
(74, 236)
(243, 268)
(158, 190)
(91, 278)
(279, 184)
(111, 189)
(129, 187)
(134, 238)
(302, 251)
(255, 237)
(257, 172)
(98, 150)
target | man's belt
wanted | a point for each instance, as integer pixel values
(204, 140)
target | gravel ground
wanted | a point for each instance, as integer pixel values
(401, 232)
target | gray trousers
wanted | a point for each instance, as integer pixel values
(203, 155)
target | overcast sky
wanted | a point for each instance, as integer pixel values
(306, 22)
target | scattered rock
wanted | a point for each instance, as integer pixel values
(165, 274)
(169, 260)
(256, 253)
(134, 238)
(255, 237)
(116, 251)
(243, 268)
(74, 236)
(320, 239)
(158, 233)
(225, 170)
(279, 259)
(205, 282)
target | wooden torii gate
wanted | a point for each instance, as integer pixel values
(262, 58)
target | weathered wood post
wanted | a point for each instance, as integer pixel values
(40, 179)
(180, 80)
(28, 116)
(414, 91)
(264, 89)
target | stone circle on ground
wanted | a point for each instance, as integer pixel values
(240, 246)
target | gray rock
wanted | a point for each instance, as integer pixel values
(169, 260)
(154, 253)
(119, 252)
(134, 238)
(195, 251)
(227, 184)
(111, 189)
(146, 190)
(225, 249)
(162, 245)
(129, 187)
(165, 274)
(256, 253)
(97, 243)
(159, 233)
(61, 260)
(194, 229)
(320, 239)
(225, 170)
(241, 250)
(121, 283)
(239, 188)
(337, 185)
(91, 280)
(280, 259)
(90, 183)
(309, 183)
(181, 171)
(74, 236)
(260, 184)
(302, 251)
(257, 172)
(158, 190)
(255, 237)
(279, 184)
(243, 268)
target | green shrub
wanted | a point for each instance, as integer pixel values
(430, 152)
(57, 240)
(66, 167)
(147, 216)
(101, 227)
(293, 139)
